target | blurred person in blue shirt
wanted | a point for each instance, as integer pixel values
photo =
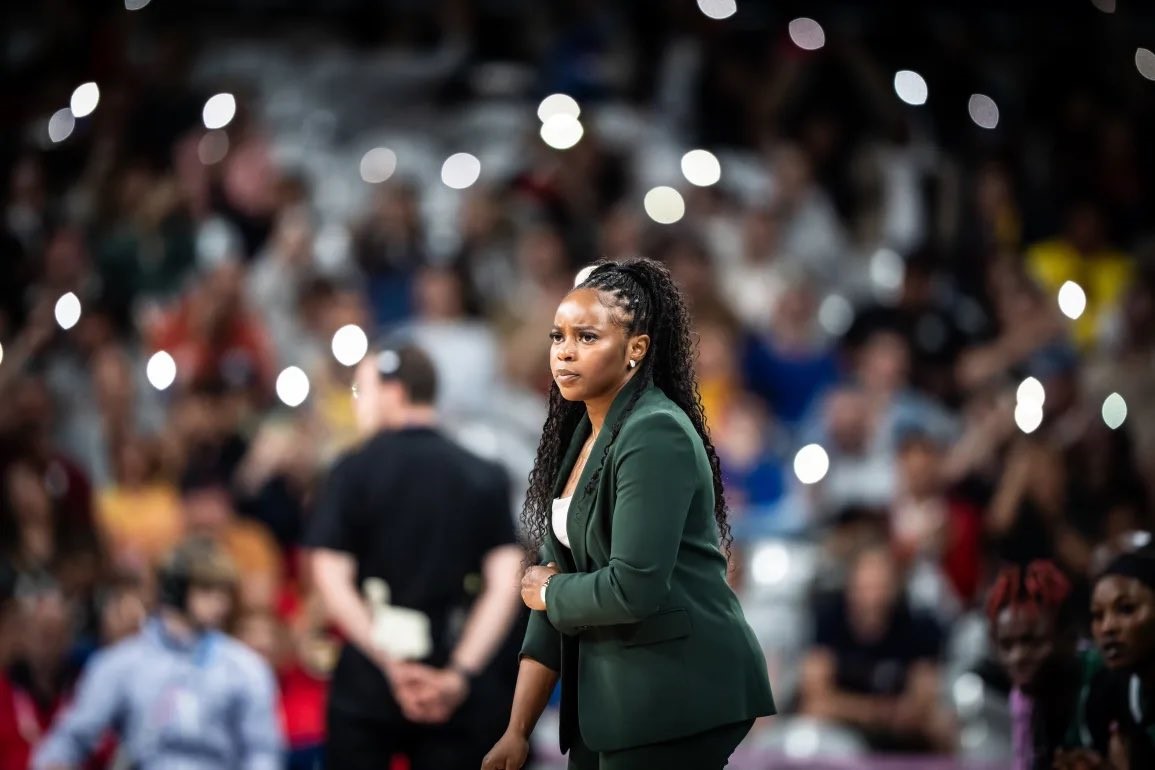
(180, 693)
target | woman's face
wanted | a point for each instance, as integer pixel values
(1123, 621)
(1024, 642)
(590, 352)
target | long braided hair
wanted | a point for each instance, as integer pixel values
(646, 301)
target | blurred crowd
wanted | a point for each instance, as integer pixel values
(897, 373)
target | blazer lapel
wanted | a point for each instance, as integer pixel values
(578, 519)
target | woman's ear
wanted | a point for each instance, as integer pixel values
(638, 347)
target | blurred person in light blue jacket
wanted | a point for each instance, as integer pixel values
(180, 694)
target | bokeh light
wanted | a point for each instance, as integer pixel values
(558, 104)
(807, 34)
(701, 168)
(1031, 391)
(378, 165)
(1072, 300)
(1145, 63)
(84, 99)
(718, 9)
(161, 370)
(213, 147)
(1106, 6)
(561, 131)
(135, 5)
(664, 205)
(1114, 411)
(219, 111)
(835, 315)
(910, 87)
(61, 125)
(770, 564)
(811, 464)
(293, 386)
(1028, 416)
(350, 344)
(983, 111)
(67, 311)
(887, 270)
(460, 170)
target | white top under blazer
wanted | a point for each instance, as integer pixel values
(560, 513)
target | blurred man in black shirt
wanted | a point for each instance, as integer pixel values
(411, 508)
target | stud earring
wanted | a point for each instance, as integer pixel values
(633, 364)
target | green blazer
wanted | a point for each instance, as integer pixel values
(650, 640)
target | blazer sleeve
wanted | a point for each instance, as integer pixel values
(542, 641)
(657, 474)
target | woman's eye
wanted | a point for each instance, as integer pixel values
(555, 336)
(589, 338)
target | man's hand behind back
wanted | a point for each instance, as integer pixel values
(425, 694)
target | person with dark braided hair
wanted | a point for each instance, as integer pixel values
(1123, 625)
(632, 609)
(1033, 624)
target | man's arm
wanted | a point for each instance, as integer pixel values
(494, 611)
(98, 703)
(821, 697)
(262, 744)
(335, 576)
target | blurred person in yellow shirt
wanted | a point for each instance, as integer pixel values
(139, 515)
(1082, 254)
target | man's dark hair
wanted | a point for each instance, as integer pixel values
(412, 367)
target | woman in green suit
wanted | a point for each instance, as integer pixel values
(632, 610)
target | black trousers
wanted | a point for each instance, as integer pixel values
(710, 750)
(357, 742)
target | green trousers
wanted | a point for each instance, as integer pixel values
(704, 751)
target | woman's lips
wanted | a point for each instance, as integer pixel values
(565, 377)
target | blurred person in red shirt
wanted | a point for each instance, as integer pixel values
(928, 521)
(212, 335)
(302, 681)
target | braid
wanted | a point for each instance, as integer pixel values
(647, 302)
(1042, 587)
(561, 420)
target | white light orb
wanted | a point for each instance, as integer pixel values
(61, 125)
(1030, 391)
(1114, 411)
(219, 111)
(293, 386)
(718, 9)
(1072, 300)
(806, 33)
(664, 205)
(460, 170)
(67, 311)
(1028, 416)
(983, 111)
(84, 99)
(558, 104)
(910, 87)
(701, 168)
(378, 165)
(161, 370)
(811, 464)
(350, 344)
(562, 131)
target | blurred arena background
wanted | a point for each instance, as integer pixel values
(917, 238)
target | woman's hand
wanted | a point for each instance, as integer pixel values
(531, 583)
(510, 752)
